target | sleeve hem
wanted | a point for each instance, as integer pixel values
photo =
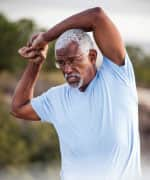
(33, 104)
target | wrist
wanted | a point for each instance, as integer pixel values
(46, 37)
(37, 63)
(43, 37)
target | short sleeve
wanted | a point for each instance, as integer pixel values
(43, 105)
(124, 73)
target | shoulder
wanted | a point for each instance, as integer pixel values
(107, 64)
(121, 73)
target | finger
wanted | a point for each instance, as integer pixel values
(32, 54)
(29, 49)
(24, 51)
(21, 50)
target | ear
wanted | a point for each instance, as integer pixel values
(93, 55)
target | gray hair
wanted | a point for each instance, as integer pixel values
(78, 35)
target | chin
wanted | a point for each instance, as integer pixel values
(77, 84)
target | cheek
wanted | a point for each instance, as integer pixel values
(84, 70)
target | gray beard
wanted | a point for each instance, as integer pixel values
(75, 85)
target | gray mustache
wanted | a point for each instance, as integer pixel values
(72, 75)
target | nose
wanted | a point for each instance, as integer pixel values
(67, 69)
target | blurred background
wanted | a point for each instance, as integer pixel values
(30, 150)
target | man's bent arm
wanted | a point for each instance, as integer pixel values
(105, 32)
(21, 106)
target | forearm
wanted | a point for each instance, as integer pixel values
(25, 88)
(84, 20)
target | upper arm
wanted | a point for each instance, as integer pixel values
(108, 37)
(25, 112)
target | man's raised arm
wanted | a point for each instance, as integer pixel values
(105, 33)
(21, 106)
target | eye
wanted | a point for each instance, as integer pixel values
(71, 60)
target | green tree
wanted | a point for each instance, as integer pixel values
(23, 142)
(141, 63)
(13, 36)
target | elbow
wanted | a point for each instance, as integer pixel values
(97, 10)
(14, 110)
(98, 15)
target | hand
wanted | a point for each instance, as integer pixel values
(37, 41)
(34, 55)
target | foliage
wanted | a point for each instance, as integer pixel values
(141, 63)
(14, 35)
(22, 142)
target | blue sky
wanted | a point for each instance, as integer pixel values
(132, 17)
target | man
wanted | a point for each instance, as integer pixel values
(95, 113)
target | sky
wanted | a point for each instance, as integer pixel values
(132, 17)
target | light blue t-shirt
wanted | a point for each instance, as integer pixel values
(97, 129)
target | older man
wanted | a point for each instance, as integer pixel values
(95, 113)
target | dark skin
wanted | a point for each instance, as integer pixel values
(24, 91)
(86, 67)
(106, 36)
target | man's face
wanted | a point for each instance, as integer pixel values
(77, 67)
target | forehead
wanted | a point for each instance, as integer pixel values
(72, 49)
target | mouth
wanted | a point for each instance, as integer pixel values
(73, 79)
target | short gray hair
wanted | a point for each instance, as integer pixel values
(78, 35)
